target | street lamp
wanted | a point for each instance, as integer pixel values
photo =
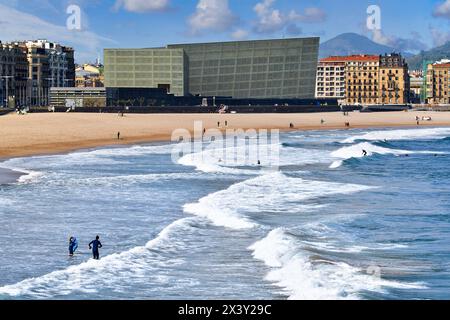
(7, 89)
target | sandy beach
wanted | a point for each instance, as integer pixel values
(49, 133)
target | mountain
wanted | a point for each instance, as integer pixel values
(442, 52)
(352, 43)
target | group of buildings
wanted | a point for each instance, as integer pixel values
(42, 73)
(364, 79)
(29, 69)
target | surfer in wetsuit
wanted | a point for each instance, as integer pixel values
(95, 245)
(364, 153)
(73, 245)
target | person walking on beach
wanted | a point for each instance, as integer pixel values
(118, 135)
(95, 245)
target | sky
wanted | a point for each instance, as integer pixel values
(92, 25)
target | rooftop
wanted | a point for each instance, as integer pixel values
(441, 65)
(353, 58)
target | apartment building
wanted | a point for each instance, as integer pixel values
(364, 79)
(330, 79)
(438, 90)
(394, 80)
(13, 75)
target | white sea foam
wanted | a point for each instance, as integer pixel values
(28, 176)
(303, 276)
(357, 151)
(404, 134)
(136, 150)
(228, 160)
(119, 180)
(104, 156)
(272, 192)
(217, 158)
(92, 274)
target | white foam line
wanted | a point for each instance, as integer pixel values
(357, 151)
(301, 277)
(270, 192)
(405, 134)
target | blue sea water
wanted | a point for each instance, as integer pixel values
(329, 224)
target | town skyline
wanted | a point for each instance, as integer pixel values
(134, 23)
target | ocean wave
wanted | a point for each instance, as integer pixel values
(357, 151)
(405, 134)
(88, 276)
(303, 276)
(272, 192)
(135, 150)
(257, 157)
(217, 158)
(103, 156)
(27, 177)
(119, 180)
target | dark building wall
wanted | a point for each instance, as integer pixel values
(70, 76)
(253, 69)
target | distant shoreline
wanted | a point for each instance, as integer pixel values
(53, 133)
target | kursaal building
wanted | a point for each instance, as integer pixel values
(284, 68)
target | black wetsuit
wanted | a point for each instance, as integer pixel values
(96, 244)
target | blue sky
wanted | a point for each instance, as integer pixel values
(412, 25)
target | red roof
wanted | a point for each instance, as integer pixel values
(442, 65)
(356, 58)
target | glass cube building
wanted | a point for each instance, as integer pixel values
(284, 68)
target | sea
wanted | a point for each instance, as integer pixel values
(345, 214)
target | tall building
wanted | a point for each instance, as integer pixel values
(330, 81)
(39, 74)
(50, 65)
(364, 79)
(69, 78)
(243, 69)
(437, 80)
(394, 80)
(13, 75)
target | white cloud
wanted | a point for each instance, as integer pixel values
(401, 44)
(311, 15)
(17, 25)
(442, 10)
(271, 20)
(439, 37)
(240, 34)
(212, 15)
(142, 5)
